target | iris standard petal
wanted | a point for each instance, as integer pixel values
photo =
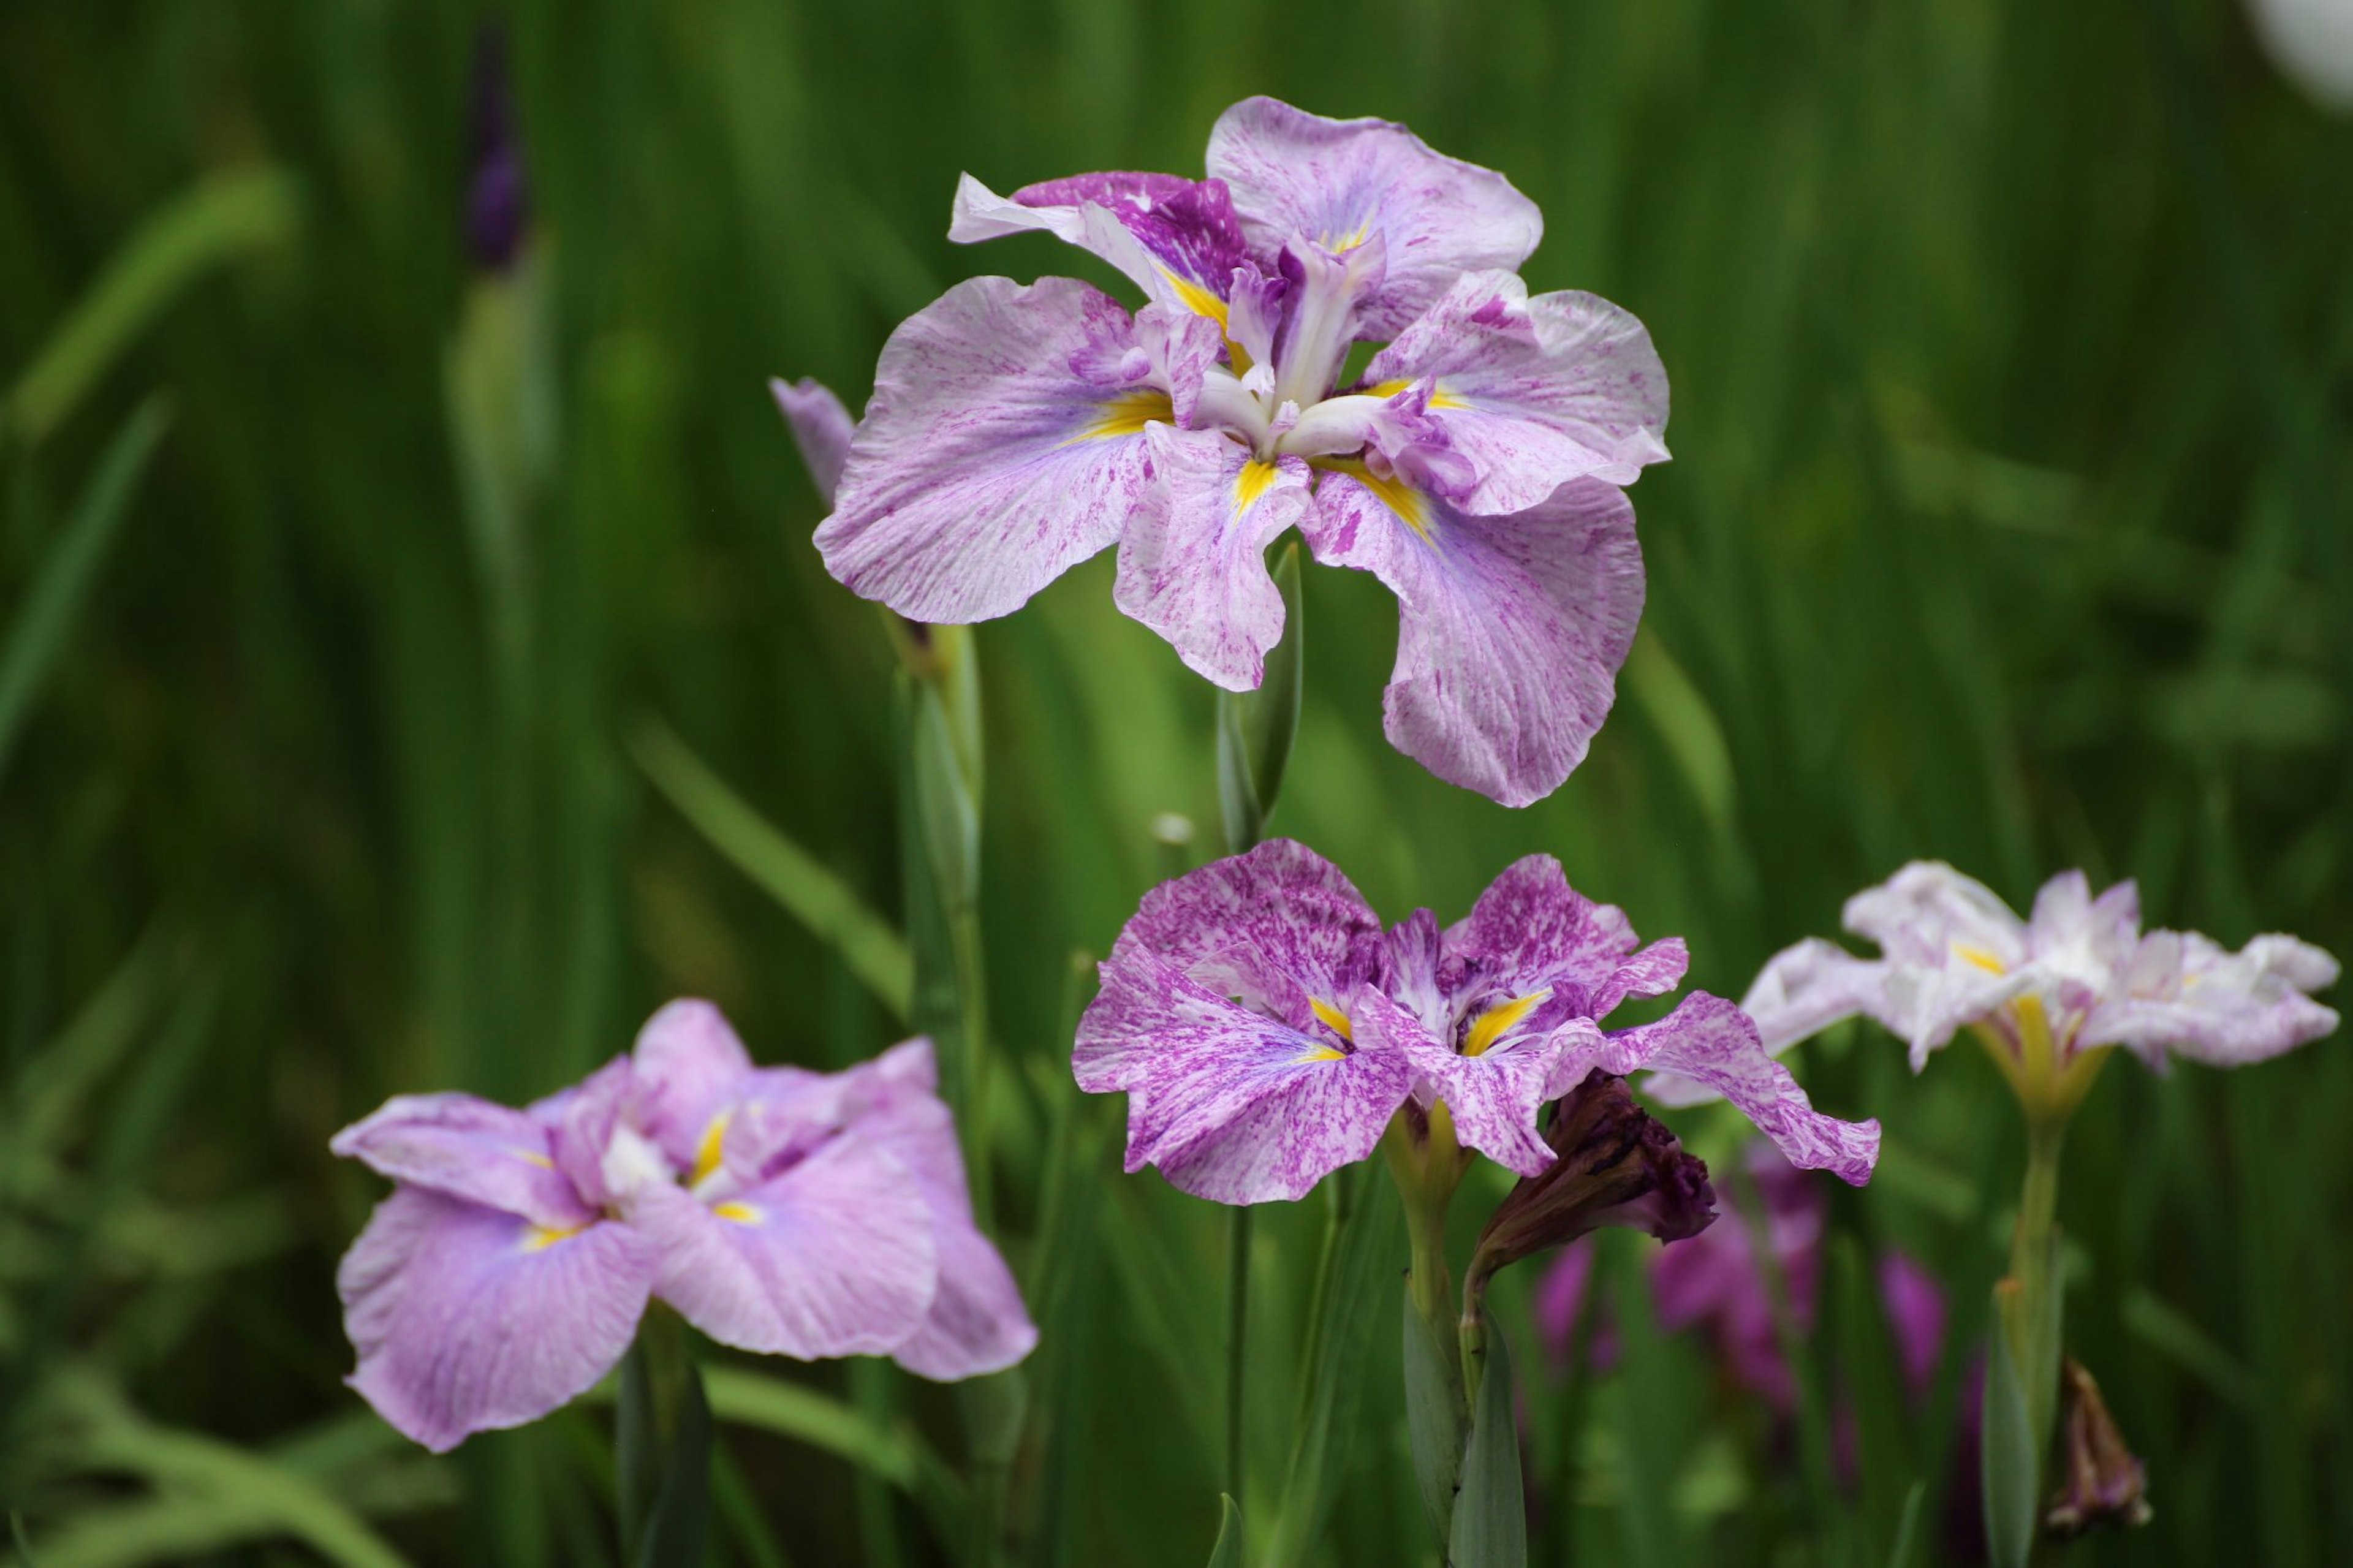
(1280, 928)
(1535, 392)
(1339, 182)
(467, 1319)
(833, 1258)
(977, 1322)
(466, 1148)
(691, 1068)
(1176, 238)
(1193, 568)
(1493, 1097)
(1004, 445)
(1232, 1105)
(821, 428)
(1512, 628)
(1711, 1042)
(1531, 929)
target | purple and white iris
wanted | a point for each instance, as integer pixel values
(1952, 954)
(778, 1210)
(1475, 466)
(1266, 1028)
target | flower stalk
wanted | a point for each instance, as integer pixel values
(661, 1448)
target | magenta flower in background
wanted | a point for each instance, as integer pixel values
(1016, 431)
(1953, 955)
(778, 1210)
(1265, 1026)
(1715, 1282)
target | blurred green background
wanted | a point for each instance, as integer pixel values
(393, 653)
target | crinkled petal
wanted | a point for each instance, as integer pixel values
(1177, 239)
(1928, 914)
(821, 428)
(1493, 1097)
(1530, 931)
(833, 1258)
(1339, 182)
(466, 1148)
(1709, 1041)
(1512, 629)
(1535, 392)
(467, 1319)
(1004, 445)
(691, 1068)
(1280, 928)
(1232, 1105)
(1801, 991)
(1194, 569)
(977, 1322)
(581, 1121)
(2190, 997)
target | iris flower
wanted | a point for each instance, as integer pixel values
(1266, 1028)
(778, 1210)
(1474, 466)
(2050, 995)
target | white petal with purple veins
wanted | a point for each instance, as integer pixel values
(1194, 569)
(1535, 392)
(1513, 628)
(1004, 445)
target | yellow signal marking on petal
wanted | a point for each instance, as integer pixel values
(1396, 494)
(707, 1153)
(1981, 957)
(542, 1161)
(1497, 1021)
(540, 1237)
(1128, 414)
(1440, 398)
(1198, 299)
(1348, 241)
(1252, 482)
(742, 1214)
(1333, 1019)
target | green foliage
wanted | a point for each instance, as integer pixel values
(366, 731)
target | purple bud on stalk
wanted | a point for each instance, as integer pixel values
(497, 198)
(2101, 1481)
(1615, 1166)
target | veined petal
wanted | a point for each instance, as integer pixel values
(1232, 1105)
(977, 1322)
(466, 1148)
(1801, 991)
(833, 1258)
(1194, 569)
(1004, 445)
(1709, 1041)
(1493, 1097)
(821, 428)
(1928, 914)
(1177, 239)
(1535, 392)
(1512, 628)
(1340, 181)
(1279, 928)
(467, 1319)
(1531, 930)
(2187, 996)
(581, 1121)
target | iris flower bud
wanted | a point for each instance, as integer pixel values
(2101, 1482)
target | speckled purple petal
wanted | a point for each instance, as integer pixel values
(821, 428)
(1176, 238)
(1801, 991)
(1535, 392)
(1709, 1041)
(834, 1257)
(1004, 445)
(2187, 996)
(1493, 1097)
(467, 1319)
(1512, 628)
(1531, 930)
(1339, 182)
(466, 1148)
(1194, 569)
(1280, 928)
(977, 1322)
(1232, 1105)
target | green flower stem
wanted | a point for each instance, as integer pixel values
(2034, 1255)
(1238, 1255)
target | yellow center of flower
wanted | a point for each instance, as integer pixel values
(1395, 493)
(709, 1153)
(1252, 482)
(540, 1237)
(1438, 396)
(1128, 414)
(741, 1214)
(1981, 957)
(1496, 1022)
